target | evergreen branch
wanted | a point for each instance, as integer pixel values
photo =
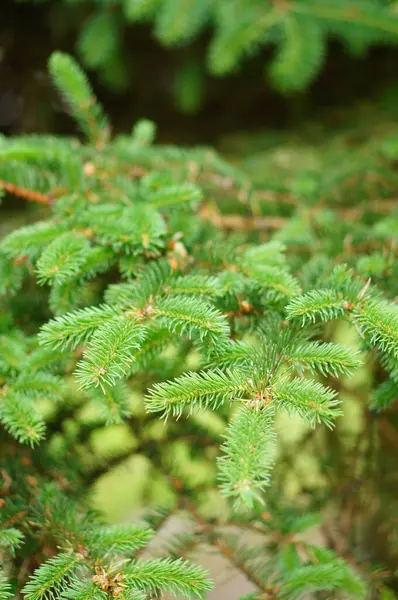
(119, 539)
(12, 354)
(177, 21)
(134, 230)
(248, 559)
(204, 389)
(148, 284)
(322, 577)
(72, 329)
(65, 296)
(176, 194)
(20, 419)
(248, 455)
(310, 399)
(110, 353)
(29, 240)
(44, 358)
(300, 54)
(228, 551)
(63, 259)
(352, 581)
(329, 359)
(11, 277)
(74, 86)
(195, 285)
(270, 254)
(302, 522)
(378, 323)
(134, 594)
(139, 10)
(31, 180)
(25, 193)
(144, 130)
(5, 587)
(10, 539)
(43, 164)
(39, 384)
(275, 278)
(325, 304)
(51, 577)
(372, 19)
(231, 352)
(83, 590)
(238, 34)
(166, 575)
(97, 260)
(156, 340)
(390, 364)
(179, 544)
(384, 396)
(157, 280)
(113, 402)
(241, 223)
(123, 295)
(192, 317)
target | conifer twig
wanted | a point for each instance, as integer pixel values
(26, 193)
(224, 549)
(240, 222)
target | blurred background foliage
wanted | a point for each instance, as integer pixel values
(138, 69)
(331, 127)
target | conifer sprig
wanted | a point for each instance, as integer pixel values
(10, 538)
(113, 401)
(73, 84)
(329, 359)
(20, 417)
(83, 590)
(62, 259)
(39, 384)
(110, 353)
(378, 322)
(244, 469)
(5, 587)
(192, 317)
(30, 240)
(310, 399)
(205, 389)
(322, 304)
(49, 579)
(119, 539)
(72, 329)
(165, 575)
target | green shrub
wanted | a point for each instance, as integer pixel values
(129, 296)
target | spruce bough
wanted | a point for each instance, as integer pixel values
(139, 284)
(296, 32)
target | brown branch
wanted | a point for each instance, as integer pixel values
(226, 550)
(26, 193)
(254, 223)
(240, 222)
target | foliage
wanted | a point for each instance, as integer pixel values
(297, 31)
(128, 293)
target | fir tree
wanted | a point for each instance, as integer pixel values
(127, 276)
